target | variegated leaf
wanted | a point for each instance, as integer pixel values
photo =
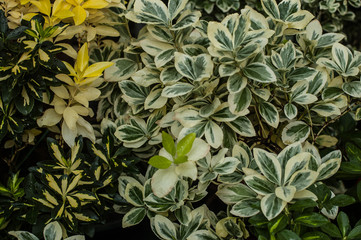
(352, 88)
(268, 164)
(213, 134)
(231, 194)
(285, 193)
(290, 111)
(243, 126)
(328, 168)
(133, 217)
(240, 101)
(220, 36)
(272, 206)
(164, 57)
(186, 19)
(151, 12)
(326, 109)
(155, 100)
(163, 227)
(175, 7)
(236, 83)
(271, 8)
(170, 75)
(123, 68)
(176, 90)
(259, 72)
(297, 131)
(53, 231)
(296, 163)
(269, 113)
(302, 179)
(259, 184)
(245, 208)
(196, 68)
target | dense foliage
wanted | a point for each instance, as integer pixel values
(254, 105)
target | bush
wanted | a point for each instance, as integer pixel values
(254, 107)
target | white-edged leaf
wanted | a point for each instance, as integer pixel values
(268, 164)
(245, 208)
(239, 101)
(123, 68)
(285, 193)
(269, 113)
(186, 19)
(133, 217)
(155, 100)
(326, 109)
(259, 72)
(272, 206)
(220, 36)
(213, 134)
(296, 131)
(296, 163)
(290, 111)
(176, 90)
(53, 231)
(196, 68)
(243, 126)
(231, 194)
(303, 179)
(151, 12)
(259, 184)
(352, 88)
(328, 168)
(164, 227)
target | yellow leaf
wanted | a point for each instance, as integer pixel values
(79, 15)
(44, 6)
(96, 4)
(70, 69)
(61, 91)
(74, 2)
(96, 69)
(43, 55)
(52, 183)
(29, 16)
(106, 31)
(72, 201)
(50, 198)
(82, 59)
(74, 183)
(64, 14)
(50, 118)
(71, 117)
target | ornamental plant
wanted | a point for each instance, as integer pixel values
(237, 125)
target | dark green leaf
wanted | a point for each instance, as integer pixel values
(311, 220)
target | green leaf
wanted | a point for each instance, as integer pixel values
(269, 113)
(272, 206)
(151, 12)
(123, 68)
(196, 68)
(163, 227)
(355, 233)
(259, 72)
(277, 224)
(287, 235)
(24, 102)
(315, 235)
(181, 159)
(311, 220)
(352, 88)
(343, 223)
(133, 217)
(342, 200)
(53, 231)
(296, 131)
(185, 144)
(168, 143)
(160, 162)
(3, 23)
(332, 230)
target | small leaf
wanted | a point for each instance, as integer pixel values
(168, 143)
(160, 162)
(185, 144)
